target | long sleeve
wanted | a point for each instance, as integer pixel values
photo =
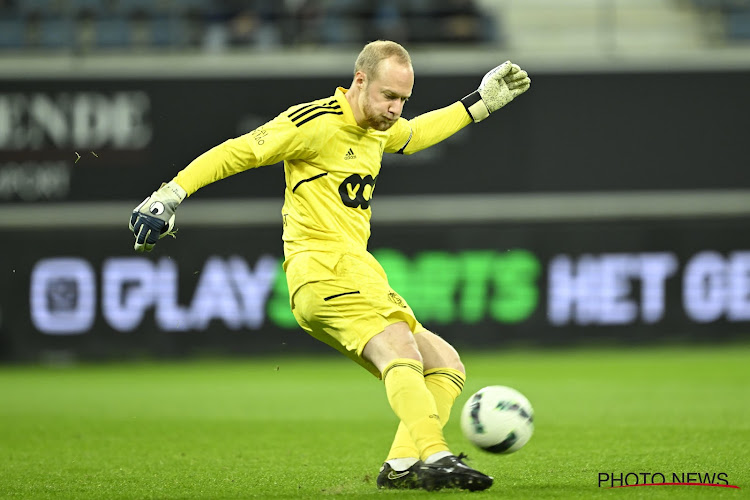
(427, 129)
(226, 159)
(268, 144)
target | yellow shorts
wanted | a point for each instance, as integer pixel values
(347, 305)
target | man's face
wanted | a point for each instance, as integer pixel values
(382, 99)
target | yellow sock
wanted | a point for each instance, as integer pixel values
(403, 446)
(414, 405)
(446, 385)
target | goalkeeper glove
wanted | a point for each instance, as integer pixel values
(154, 217)
(499, 86)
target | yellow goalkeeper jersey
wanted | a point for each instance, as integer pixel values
(331, 167)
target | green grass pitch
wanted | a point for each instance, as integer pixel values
(286, 427)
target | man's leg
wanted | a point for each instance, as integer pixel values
(395, 352)
(444, 373)
(444, 377)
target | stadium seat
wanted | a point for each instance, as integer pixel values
(168, 31)
(12, 33)
(40, 7)
(145, 7)
(707, 4)
(94, 8)
(112, 32)
(56, 33)
(198, 6)
(738, 25)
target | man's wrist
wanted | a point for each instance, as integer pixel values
(475, 107)
(175, 190)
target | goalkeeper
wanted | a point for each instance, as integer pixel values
(339, 294)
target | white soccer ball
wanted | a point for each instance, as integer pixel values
(498, 419)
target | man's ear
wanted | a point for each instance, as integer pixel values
(360, 79)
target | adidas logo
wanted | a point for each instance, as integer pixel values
(350, 155)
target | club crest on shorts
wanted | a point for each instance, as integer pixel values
(393, 297)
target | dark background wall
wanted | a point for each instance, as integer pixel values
(483, 280)
(572, 132)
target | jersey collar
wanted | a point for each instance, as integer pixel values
(348, 115)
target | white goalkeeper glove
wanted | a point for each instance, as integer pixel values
(154, 217)
(499, 86)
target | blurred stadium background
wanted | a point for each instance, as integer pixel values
(606, 209)
(614, 210)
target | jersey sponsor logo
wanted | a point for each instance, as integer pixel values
(350, 155)
(356, 191)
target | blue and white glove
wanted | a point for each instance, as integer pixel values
(499, 86)
(154, 217)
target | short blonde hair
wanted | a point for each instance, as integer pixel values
(368, 60)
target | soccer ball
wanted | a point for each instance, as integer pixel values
(498, 419)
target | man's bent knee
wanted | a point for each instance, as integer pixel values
(396, 341)
(437, 353)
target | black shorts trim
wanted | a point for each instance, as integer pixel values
(340, 294)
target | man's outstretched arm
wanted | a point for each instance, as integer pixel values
(498, 87)
(154, 218)
(271, 143)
